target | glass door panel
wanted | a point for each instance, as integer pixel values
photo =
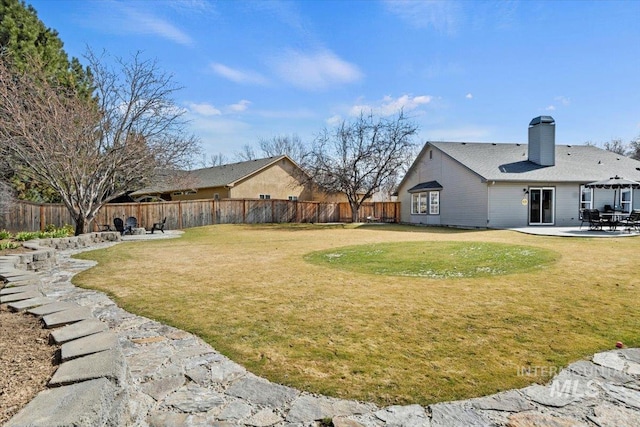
(541, 206)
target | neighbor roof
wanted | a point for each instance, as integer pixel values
(217, 176)
(509, 162)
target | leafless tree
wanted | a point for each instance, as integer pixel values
(246, 153)
(634, 148)
(290, 145)
(6, 197)
(214, 160)
(358, 158)
(94, 150)
(616, 146)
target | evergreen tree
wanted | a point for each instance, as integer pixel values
(26, 41)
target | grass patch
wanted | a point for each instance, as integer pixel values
(435, 260)
(250, 293)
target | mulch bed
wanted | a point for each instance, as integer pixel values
(27, 361)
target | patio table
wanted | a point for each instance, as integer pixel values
(612, 219)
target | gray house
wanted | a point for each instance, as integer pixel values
(513, 185)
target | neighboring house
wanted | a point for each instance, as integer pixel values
(513, 185)
(270, 178)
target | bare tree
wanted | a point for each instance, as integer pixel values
(634, 149)
(92, 150)
(616, 146)
(214, 160)
(290, 145)
(360, 157)
(6, 197)
(246, 153)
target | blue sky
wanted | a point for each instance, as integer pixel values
(462, 70)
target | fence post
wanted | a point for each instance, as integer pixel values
(179, 215)
(43, 218)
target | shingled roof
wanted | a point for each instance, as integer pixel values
(509, 162)
(217, 176)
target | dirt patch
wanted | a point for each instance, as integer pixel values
(27, 361)
(18, 250)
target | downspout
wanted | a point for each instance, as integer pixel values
(489, 184)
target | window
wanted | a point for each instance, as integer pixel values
(586, 198)
(625, 200)
(293, 198)
(434, 203)
(420, 205)
(216, 196)
(265, 196)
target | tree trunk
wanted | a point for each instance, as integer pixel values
(80, 225)
(355, 208)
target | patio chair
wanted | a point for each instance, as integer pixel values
(595, 221)
(159, 225)
(119, 225)
(632, 221)
(584, 217)
(130, 224)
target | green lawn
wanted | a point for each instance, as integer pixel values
(389, 314)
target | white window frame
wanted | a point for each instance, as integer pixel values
(425, 203)
(434, 203)
(416, 204)
(625, 205)
(293, 198)
(586, 204)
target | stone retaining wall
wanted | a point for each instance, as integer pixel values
(43, 254)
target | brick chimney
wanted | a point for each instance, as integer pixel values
(542, 141)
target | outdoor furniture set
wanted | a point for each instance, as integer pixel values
(611, 219)
(131, 226)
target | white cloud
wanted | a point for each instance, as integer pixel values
(146, 23)
(469, 96)
(389, 106)
(204, 109)
(334, 120)
(315, 71)
(562, 101)
(239, 106)
(238, 76)
(442, 16)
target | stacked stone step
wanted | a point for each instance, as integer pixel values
(88, 388)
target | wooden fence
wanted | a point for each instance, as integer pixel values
(25, 216)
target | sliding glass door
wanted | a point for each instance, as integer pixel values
(541, 206)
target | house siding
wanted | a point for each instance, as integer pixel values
(203, 193)
(278, 181)
(506, 209)
(463, 198)
(505, 205)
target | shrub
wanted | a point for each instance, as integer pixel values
(26, 235)
(4, 234)
(8, 245)
(51, 231)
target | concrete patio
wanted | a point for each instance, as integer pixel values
(576, 232)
